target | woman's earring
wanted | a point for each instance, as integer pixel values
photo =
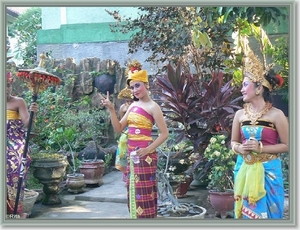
(256, 93)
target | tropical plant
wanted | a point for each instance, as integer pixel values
(174, 158)
(220, 175)
(24, 29)
(256, 15)
(90, 124)
(280, 55)
(52, 104)
(108, 158)
(183, 34)
(285, 159)
(202, 108)
(65, 137)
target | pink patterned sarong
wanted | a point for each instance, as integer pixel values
(141, 183)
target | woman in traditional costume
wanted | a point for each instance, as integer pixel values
(142, 156)
(17, 116)
(121, 154)
(259, 135)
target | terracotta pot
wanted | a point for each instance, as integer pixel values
(181, 188)
(93, 171)
(75, 182)
(222, 203)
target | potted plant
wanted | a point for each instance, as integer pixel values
(202, 106)
(173, 182)
(174, 161)
(93, 169)
(49, 168)
(220, 175)
(90, 128)
(75, 180)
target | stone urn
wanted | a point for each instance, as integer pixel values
(93, 171)
(75, 182)
(222, 203)
(50, 172)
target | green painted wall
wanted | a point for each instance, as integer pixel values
(100, 32)
(80, 33)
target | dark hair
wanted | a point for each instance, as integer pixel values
(274, 81)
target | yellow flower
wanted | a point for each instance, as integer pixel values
(213, 140)
(181, 161)
(217, 153)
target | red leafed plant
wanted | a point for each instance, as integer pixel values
(203, 108)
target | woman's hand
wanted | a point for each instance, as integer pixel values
(106, 102)
(33, 107)
(250, 145)
(142, 152)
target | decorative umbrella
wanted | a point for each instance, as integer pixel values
(37, 80)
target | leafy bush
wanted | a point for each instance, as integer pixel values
(221, 171)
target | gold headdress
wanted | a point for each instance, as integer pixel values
(125, 94)
(253, 67)
(135, 72)
(133, 67)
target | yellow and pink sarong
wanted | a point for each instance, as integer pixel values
(141, 183)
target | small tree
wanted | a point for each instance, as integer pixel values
(24, 29)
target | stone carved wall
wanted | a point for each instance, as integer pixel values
(79, 80)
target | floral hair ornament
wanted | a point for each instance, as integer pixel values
(9, 77)
(125, 94)
(253, 68)
(135, 72)
(133, 67)
(280, 79)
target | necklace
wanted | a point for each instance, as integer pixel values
(252, 115)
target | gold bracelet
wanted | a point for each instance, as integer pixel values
(233, 147)
(260, 147)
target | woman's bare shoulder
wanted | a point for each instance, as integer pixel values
(17, 101)
(240, 112)
(240, 115)
(276, 113)
(154, 105)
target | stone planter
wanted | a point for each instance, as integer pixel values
(50, 173)
(193, 211)
(30, 197)
(75, 182)
(93, 172)
(222, 203)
